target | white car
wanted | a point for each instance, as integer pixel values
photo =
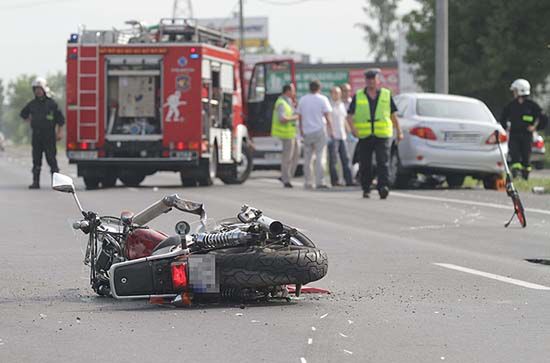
(446, 135)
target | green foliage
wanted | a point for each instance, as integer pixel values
(491, 43)
(19, 93)
(380, 30)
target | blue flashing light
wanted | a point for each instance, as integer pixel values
(194, 56)
(73, 38)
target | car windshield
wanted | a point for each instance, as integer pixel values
(453, 109)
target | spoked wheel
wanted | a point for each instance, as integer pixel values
(520, 212)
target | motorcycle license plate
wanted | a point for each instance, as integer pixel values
(202, 273)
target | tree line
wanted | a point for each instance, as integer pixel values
(491, 43)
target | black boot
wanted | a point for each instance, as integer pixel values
(35, 181)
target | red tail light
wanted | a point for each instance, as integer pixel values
(539, 144)
(179, 275)
(502, 138)
(423, 133)
(84, 145)
(180, 145)
(71, 146)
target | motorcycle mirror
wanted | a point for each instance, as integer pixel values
(62, 183)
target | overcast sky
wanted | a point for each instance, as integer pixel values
(33, 33)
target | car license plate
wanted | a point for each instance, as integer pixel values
(82, 155)
(462, 137)
(272, 156)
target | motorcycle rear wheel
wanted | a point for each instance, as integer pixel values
(261, 268)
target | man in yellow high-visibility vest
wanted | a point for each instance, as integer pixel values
(372, 116)
(283, 126)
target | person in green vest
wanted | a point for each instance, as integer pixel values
(372, 116)
(283, 126)
(521, 118)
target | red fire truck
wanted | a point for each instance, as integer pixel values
(164, 98)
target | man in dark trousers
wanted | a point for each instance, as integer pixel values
(523, 116)
(46, 121)
(372, 116)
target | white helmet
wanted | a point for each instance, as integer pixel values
(521, 86)
(42, 83)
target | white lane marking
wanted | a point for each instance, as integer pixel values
(343, 335)
(348, 352)
(466, 202)
(313, 328)
(323, 316)
(303, 360)
(509, 280)
(310, 341)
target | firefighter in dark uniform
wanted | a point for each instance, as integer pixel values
(372, 118)
(46, 121)
(521, 117)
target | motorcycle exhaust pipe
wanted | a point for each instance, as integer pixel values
(273, 226)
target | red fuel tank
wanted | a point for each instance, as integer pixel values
(141, 242)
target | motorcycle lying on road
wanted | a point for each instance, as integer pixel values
(248, 257)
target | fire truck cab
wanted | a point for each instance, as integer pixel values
(163, 98)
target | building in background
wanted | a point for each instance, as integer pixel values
(256, 33)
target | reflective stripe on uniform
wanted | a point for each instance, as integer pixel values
(517, 166)
(527, 118)
(383, 126)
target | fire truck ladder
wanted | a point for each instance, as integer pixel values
(87, 108)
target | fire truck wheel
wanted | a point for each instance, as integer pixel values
(109, 180)
(210, 169)
(91, 182)
(244, 168)
(188, 182)
(132, 179)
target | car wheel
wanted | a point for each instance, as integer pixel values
(490, 182)
(455, 180)
(398, 177)
(539, 165)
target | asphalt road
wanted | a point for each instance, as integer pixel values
(425, 276)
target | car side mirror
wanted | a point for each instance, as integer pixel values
(62, 183)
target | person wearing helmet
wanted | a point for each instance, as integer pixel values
(521, 117)
(46, 121)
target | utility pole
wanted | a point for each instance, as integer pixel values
(241, 28)
(182, 9)
(442, 46)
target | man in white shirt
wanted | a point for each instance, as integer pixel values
(314, 111)
(337, 148)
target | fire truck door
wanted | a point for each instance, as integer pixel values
(266, 84)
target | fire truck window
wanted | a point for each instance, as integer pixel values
(257, 85)
(227, 110)
(226, 77)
